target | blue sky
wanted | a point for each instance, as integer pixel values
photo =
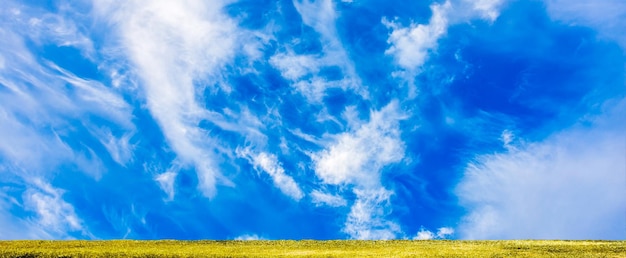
(328, 119)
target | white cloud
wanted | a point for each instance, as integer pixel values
(173, 46)
(269, 164)
(320, 198)
(507, 137)
(54, 215)
(608, 16)
(320, 15)
(48, 105)
(411, 46)
(120, 148)
(442, 233)
(26, 147)
(41, 98)
(97, 98)
(424, 234)
(294, 67)
(42, 108)
(302, 70)
(249, 237)
(569, 186)
(55, 28)
(366, 219)
(487, 9)
(16, 228)
(12, 226)
(166, 181)
(356, 159)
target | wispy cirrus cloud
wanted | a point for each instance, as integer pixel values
(178, 49)
(608, 16)
(36, 90)
(45, 108)
(269, 164)
(167, 183)
(323, 198)
(303, 69)
(53, 213)
(486, 9)
(15, 227)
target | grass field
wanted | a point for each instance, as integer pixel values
(309, 248)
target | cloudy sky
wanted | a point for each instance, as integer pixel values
(327, 119)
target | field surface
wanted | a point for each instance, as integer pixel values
(309, 248)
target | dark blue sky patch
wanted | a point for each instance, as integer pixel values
(417, 11)
(72, 60)
(509, 74)
(252, 14)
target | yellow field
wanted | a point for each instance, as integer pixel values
(308, 248)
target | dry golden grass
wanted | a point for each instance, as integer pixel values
(310, 248)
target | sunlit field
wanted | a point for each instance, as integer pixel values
(308, 248)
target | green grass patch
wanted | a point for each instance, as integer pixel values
(310, 248)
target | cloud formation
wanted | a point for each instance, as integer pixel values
(568, 186)
(53, 213)
(606, 15)
(442, 233)
(174, 48)
(366, 120)
(269, 164)
(411, 46)
(44, 109)
(356, 159)
(302, 69)
(322, 198)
